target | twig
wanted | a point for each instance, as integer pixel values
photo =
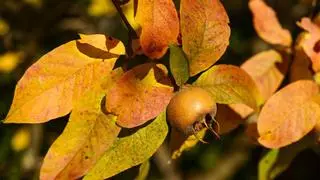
(165, 163)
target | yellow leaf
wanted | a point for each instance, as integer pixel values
(51, 87)
(9, 61)
(230, 85)
(131, 150)
(88, 134)
(21, 139)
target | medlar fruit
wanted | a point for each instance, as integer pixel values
(192, 109)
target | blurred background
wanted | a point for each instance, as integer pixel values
(31, 28)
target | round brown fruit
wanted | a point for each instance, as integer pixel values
(192, 109)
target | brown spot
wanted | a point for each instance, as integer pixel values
(316, 47)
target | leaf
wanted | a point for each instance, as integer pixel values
(139, 95)
(230, 85)
(289, 114)
(143, 171)
(50, 87)
(160, 26)
(180, 143)
(131, 150)
(101, 7)
(262, 68)
(310, 42)
(267, 24)
(88, 134)
(178, 65)
(266, 164)
(9, 61)
(205, 32)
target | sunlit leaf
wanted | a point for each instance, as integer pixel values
(266, 164)
(88, 134)
(131, 150)
(205, 32)
(230, 85)
(9, 61)
(262, 68)
(310, 42)
(51, 86)
(21, 139)
(289, 114)
(267, 24)
(180, 143)
(143, 171)
(178, 65)
(160, 26)
(139, 95)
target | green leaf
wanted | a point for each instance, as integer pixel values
(131, 150)
(88, 134)
(178, 65)
(266, 164)
(143, 171)
(230, 85)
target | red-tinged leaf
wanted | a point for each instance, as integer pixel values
(139, 95)
(205, 32)
(289, 114)
(241, 109)
(230, 85)
(88, 134)
(311, 42)
(262, 68)
(131, 150)
(51, 86)
(267, 24)
(160, 26)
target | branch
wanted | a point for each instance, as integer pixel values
(132, 33)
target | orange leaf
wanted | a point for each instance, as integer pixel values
(160, 26)
(310, 42)
(267, 24)
(51, 86)
(139, 95)
(262, 68)
(88, 134)
(289, 114)
(205, 32)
